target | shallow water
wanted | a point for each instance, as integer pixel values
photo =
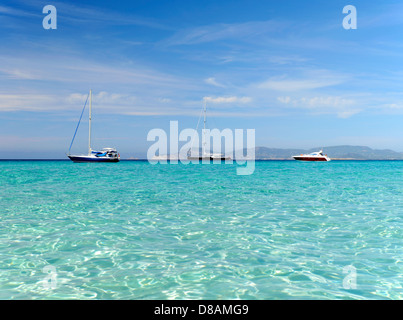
(133, 230)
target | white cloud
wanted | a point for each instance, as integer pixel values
(114, 103)
(394, 106)
(284, 100)
(297, 85)
(308, 80)
(103, 99)
(329, 101)
(348, 113)
(87, 14)
(81, 71)
(232, 99)
(18, 74)
(27, 102)
(213, 82)
(17, 12)
(223, 31)
(284, 60)
(342, 107)
(165, 100)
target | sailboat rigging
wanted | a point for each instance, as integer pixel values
(206, 155)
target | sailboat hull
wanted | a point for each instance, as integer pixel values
(79, 159)
(208, 158)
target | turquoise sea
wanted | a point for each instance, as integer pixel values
(133, 230)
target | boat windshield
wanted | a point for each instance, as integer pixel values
(316, 154)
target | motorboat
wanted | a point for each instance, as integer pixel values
(314, 156)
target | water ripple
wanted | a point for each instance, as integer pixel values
(138, 231)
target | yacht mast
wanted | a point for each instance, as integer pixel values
(89, 132)
(204, 128)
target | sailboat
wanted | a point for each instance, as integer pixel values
(206, 155)
(105, 155)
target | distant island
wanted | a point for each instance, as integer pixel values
(334, 152)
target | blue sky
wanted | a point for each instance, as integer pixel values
(287, 69)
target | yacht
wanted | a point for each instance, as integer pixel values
(209, 156)
(205, 155)
(314, 156)
(105, 155)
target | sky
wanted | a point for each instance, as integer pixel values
(287, 69)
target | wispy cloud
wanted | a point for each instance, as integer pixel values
(27, 102)
(295, 85)
(342, 107)
(19, 74)
(9, 11)
(82, 70)
(213, 82)
(90, 15)
(309, 81)
(233, 99)
(216, 32)
(285, 60)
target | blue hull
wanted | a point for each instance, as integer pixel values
(92, 159)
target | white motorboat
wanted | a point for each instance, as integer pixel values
(314, 156)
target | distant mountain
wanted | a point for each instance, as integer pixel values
(335, 152)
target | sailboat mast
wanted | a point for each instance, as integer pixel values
(204, 128)
(89, 132)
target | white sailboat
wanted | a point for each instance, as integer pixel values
(105, 155)
(206, 155)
